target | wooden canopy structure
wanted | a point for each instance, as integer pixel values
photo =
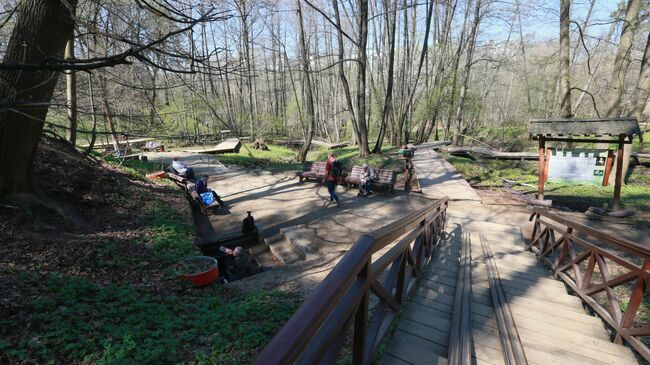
(575, 130)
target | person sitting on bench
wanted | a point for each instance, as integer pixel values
(365, 180)
(182, 169)
(211, 195)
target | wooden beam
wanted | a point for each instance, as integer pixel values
(591, 140)
(619, 173)
(542, 167)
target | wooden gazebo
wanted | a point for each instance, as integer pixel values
(602, 130)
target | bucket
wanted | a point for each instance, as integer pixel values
(199, 270)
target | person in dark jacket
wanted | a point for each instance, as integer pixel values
(202, 188)
(331, 176)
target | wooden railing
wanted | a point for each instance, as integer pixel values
(318, 330)
(609, 273)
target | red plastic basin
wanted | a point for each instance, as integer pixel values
(203, 277)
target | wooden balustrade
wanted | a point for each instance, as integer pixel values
(318, 330)
(596, 266)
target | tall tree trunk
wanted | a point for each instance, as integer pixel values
(41, 31)
(93, 115)
(523, 57)
(466, 71)
(621, 64)
(623, 59)
(403, 131)
(565, 83)
(642, 88)
(71, 94)
(362, 25)
(108, 117)
(341, 68)
(391, 20)
(309, 99)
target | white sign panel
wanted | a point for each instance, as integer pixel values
(572, 168)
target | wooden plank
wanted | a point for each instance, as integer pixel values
(542, 325)
(389, 359)
(585, 126)
(230, 145)
(437, 335)
(415, 350)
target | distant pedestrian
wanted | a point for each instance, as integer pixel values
(333, 172)
(182, 169)
(202, 188)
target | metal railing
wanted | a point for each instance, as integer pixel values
(316, 333)
(596, 266)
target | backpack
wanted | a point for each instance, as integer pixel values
(337, 169)
(248, 225)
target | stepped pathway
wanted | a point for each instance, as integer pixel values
(553, 326)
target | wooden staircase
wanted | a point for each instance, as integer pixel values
(552, 325)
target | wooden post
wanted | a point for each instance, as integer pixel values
(619, 173)
(542, 167)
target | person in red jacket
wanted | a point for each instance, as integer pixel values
(333, 171)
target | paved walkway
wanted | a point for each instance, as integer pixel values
(553, 326)
(439, 178)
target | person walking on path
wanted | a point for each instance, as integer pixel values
(333, 171)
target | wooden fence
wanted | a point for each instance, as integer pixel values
(318, 330)
(611, 274)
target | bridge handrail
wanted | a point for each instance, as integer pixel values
(317, 330)
(574, 257)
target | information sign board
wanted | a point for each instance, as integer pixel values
(580, 166)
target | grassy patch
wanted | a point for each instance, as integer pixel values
(277, 158)
(634, 195)
(350, 157)
(280, 158)
(492, 172)
(137, 169)
(169, 236)
(74, 320)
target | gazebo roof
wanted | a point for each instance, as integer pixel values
(591, 127)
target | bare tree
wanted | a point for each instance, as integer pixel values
(565, 82)
(307, 85)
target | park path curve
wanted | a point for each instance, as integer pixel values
(438, 178)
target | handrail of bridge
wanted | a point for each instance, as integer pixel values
(317, 331)
(574, 257)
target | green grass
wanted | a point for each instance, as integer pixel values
(349, 156)
(75, 320)
(634, 195)
(492, 172)
(170, 237)
(277, 158)
(280, 158)
(137, 169)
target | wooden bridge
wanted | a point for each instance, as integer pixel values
(450, 284)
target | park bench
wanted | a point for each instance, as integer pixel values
(312, 170)
(407, 152)
(354, 177)
(383, 180)
(190, 188)
(205, 209)
(153, 146)
(177, 179)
